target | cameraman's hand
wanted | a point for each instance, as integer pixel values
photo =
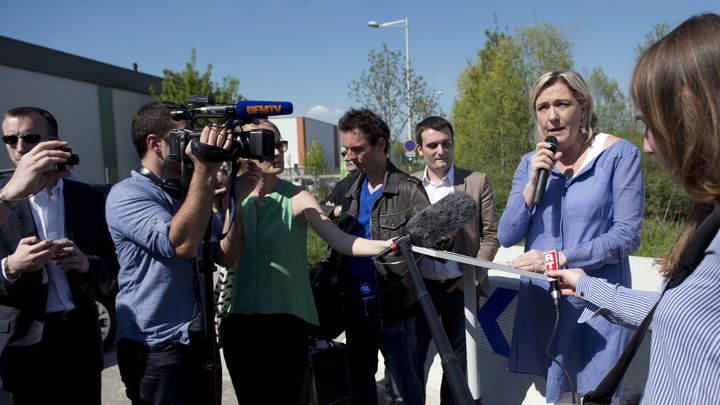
(245, 183)
(213, 135)
(36, 170)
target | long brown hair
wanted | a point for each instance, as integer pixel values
(676, 87)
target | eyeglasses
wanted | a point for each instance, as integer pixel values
(28, 138)
(282, 146)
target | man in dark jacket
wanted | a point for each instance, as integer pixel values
(381, 308)
(54, 246)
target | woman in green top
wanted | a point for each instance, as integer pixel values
(265, 333)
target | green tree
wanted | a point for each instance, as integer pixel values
(543, 47)
(658, 31)
(611, 106)
(382, 88)
(177, 86)
(315, 160)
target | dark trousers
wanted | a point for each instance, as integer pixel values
(366, 333)
(64, 368)
(266, 356)
(450, 307)
(171, 374)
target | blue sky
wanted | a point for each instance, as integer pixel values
(307, 52)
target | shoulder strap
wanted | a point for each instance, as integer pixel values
(692, 256)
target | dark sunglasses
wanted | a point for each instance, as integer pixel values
(28, 138)
(282, 146)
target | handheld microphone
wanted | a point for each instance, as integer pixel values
(247, 109)
(543, 175)
(551, 263)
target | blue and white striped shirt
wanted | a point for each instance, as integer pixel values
(685, 348)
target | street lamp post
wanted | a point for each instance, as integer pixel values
(393, 24)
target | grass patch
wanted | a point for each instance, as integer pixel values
(657, 236)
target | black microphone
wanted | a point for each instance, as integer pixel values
(543, 175)
(442, 219)
(437, 222)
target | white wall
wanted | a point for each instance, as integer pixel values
(289, 132)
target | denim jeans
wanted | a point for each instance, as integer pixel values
(172, 374)
(366, 333)
(450, 307)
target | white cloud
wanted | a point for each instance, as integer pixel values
(324, 113)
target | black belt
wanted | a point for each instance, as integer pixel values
(60, 315)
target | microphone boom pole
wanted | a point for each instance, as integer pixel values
(449, 361)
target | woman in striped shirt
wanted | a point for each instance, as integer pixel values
(676, 90)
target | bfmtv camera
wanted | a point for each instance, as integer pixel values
(255, 144)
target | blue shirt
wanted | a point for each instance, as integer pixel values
(595, 218)
(158, 297)
(362, 269)
(685, 346)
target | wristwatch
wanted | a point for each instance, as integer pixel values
(8, 203)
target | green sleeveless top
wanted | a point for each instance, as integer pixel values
(272, 277)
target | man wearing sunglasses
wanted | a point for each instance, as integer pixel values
(54, 245)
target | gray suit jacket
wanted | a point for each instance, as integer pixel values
(479, 237)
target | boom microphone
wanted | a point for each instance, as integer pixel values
(442, 219)
(438, 221)
(543, 175)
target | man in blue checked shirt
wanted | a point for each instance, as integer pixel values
(158, 241)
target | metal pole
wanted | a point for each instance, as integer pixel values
(407, 78)
(450, 362)
(473, 376)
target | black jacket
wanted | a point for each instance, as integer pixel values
(402, 197)
(22, 303)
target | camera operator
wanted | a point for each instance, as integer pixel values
(158, 240)
(54, 245)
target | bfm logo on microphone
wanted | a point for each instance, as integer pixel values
(551, 260)
(264, 109)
